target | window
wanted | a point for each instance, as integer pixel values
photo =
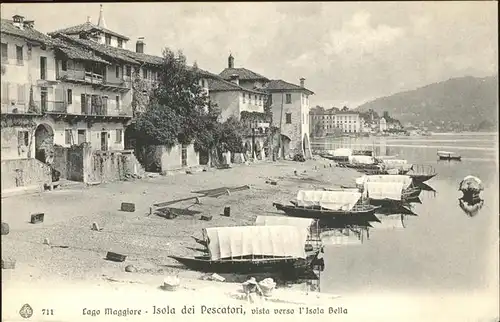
(19, 55)
(117, 71)
(43, 67)
(82, 136)
(108, 39)
(255, 99)
(270, 98)
(144, 73)
(68, 136)
(117, 99)
(120, 43)
(104, 100)
(21, 94)
(119, 134)
(82, 104)
(128, 71)
(23, 138)
(5, 92)
(288, 118)
(5, 52)
(288, 99)
(70, 96)
(244, 98)
(64, 65)
(44, 99)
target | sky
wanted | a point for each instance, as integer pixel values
(349, 53)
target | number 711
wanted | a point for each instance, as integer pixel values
(47, 311)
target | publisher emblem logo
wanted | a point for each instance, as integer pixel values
(26, 311)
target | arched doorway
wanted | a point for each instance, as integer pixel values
(44, 143)
(306, 146)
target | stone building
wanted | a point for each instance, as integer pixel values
(287, 103)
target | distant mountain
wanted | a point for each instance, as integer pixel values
(467, 100)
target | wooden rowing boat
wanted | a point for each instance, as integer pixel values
(445, 155)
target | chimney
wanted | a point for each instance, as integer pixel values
(101, 22)
(139, 45)
(302, 82)
(230, 61)
(235, 79)
(29, 24)
(18, 21)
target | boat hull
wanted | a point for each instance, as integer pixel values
(293, 211)
(447, 157)
(286, 266)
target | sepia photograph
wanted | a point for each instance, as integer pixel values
(307, 161)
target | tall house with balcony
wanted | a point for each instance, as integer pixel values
(291, 117)
(290, 108)
(247, 105)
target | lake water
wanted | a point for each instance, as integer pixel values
(442, 249)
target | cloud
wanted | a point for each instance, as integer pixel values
(357, 36)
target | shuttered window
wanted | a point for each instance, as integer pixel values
(21, 93)
(5, 52)
(5, 92)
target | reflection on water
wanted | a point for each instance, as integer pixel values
(471, 207)
(407, 252)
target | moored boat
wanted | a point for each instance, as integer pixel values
(471, 187)
(384, 189)
(322, 204)
(253, 249)
(446, 155)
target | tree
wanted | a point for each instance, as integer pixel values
(178, 111)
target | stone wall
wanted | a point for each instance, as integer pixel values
(24, 173)
(113, 166)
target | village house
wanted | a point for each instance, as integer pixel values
(288, 104)
(56, 96)
(244, 99)
(138, 72)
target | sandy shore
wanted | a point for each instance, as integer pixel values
(77, 277)
(146, 240)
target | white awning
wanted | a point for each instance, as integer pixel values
(230, 242)
(387, 178)
(333, 200)
(301, 223)
(383, 190)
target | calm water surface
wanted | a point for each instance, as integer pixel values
(441, 249)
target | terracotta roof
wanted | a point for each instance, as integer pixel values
(7, 27)
(105, 50)
(85, 27)
(277, 85)
(243, 73)
(221, 85)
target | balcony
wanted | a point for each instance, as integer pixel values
(97, 80)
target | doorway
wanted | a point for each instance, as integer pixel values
(104, 141)
(44, 143)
